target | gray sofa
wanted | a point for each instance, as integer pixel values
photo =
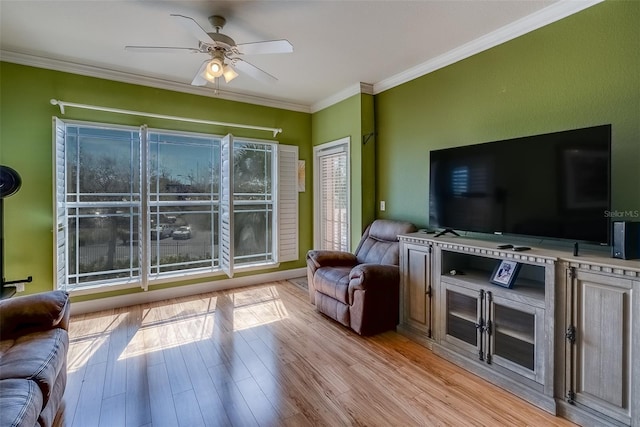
(33, 358)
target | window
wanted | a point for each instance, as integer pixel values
(331, 195)
(103, 204)
(136, 205)
(253, 201)
(183, 202)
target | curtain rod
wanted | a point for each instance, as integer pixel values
(63, 104)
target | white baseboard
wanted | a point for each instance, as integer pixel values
(182, 291)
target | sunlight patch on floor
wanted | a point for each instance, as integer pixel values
(162, 330)
(87, 338)
(256, 307)
(197, 320)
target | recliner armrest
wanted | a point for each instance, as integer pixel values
(365, 276)
(322, 258)
(37, 312)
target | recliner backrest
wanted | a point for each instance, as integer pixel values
(379, 244)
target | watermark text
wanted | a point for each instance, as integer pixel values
(622, 214)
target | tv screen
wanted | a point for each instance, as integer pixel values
(555, 185)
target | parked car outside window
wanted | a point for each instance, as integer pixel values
(161, 231)
(182, 233)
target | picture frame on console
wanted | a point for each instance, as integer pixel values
(505, 273)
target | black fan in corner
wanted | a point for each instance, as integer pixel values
(10, 183)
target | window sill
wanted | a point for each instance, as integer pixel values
(257, 266)
(169, 278)
(102, 288)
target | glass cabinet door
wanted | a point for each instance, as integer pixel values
(514, 328)
(462, 311)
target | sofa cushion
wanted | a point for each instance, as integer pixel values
(32, 313)
(20, 403)
(38, 356)
(379, 244)
(374, 251)
(333, 282)
(50, 410)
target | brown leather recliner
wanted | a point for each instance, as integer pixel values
(361, 290)
(33, 358)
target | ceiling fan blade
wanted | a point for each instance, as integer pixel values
(272, 46)
(253, 71)
(199, 79)
(193, 27)
(161, 49)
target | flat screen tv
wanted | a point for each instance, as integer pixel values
(555, 185)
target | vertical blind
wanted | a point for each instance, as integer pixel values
(334, 200)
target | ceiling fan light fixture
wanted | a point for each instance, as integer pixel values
(215, 68)
(229, 73)
(207, 75)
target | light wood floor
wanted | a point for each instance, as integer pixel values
(263, 356)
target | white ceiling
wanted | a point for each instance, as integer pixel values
(337, 44)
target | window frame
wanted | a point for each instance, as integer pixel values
(77, 205)
(158, 204)
(146, 278)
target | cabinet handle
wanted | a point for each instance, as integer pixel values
(570, 335)
(571, 397)
(480, 326)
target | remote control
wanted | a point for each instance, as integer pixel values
(521, 248)
(505, 246)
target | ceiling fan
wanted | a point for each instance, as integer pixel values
(225, 55)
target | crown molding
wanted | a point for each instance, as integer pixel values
(348, 92)
(536, 20)
(119, 76)
(366, 88)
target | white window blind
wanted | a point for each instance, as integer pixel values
(226, 206)
(287, 203)
(334, 198)
(60, 230)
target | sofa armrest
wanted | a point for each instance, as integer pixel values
(37, 312)
(321, 258)
(372, 276)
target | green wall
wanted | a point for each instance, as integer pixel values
(26, 145)
(353, 118)
(581, 71)
(368, 147)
